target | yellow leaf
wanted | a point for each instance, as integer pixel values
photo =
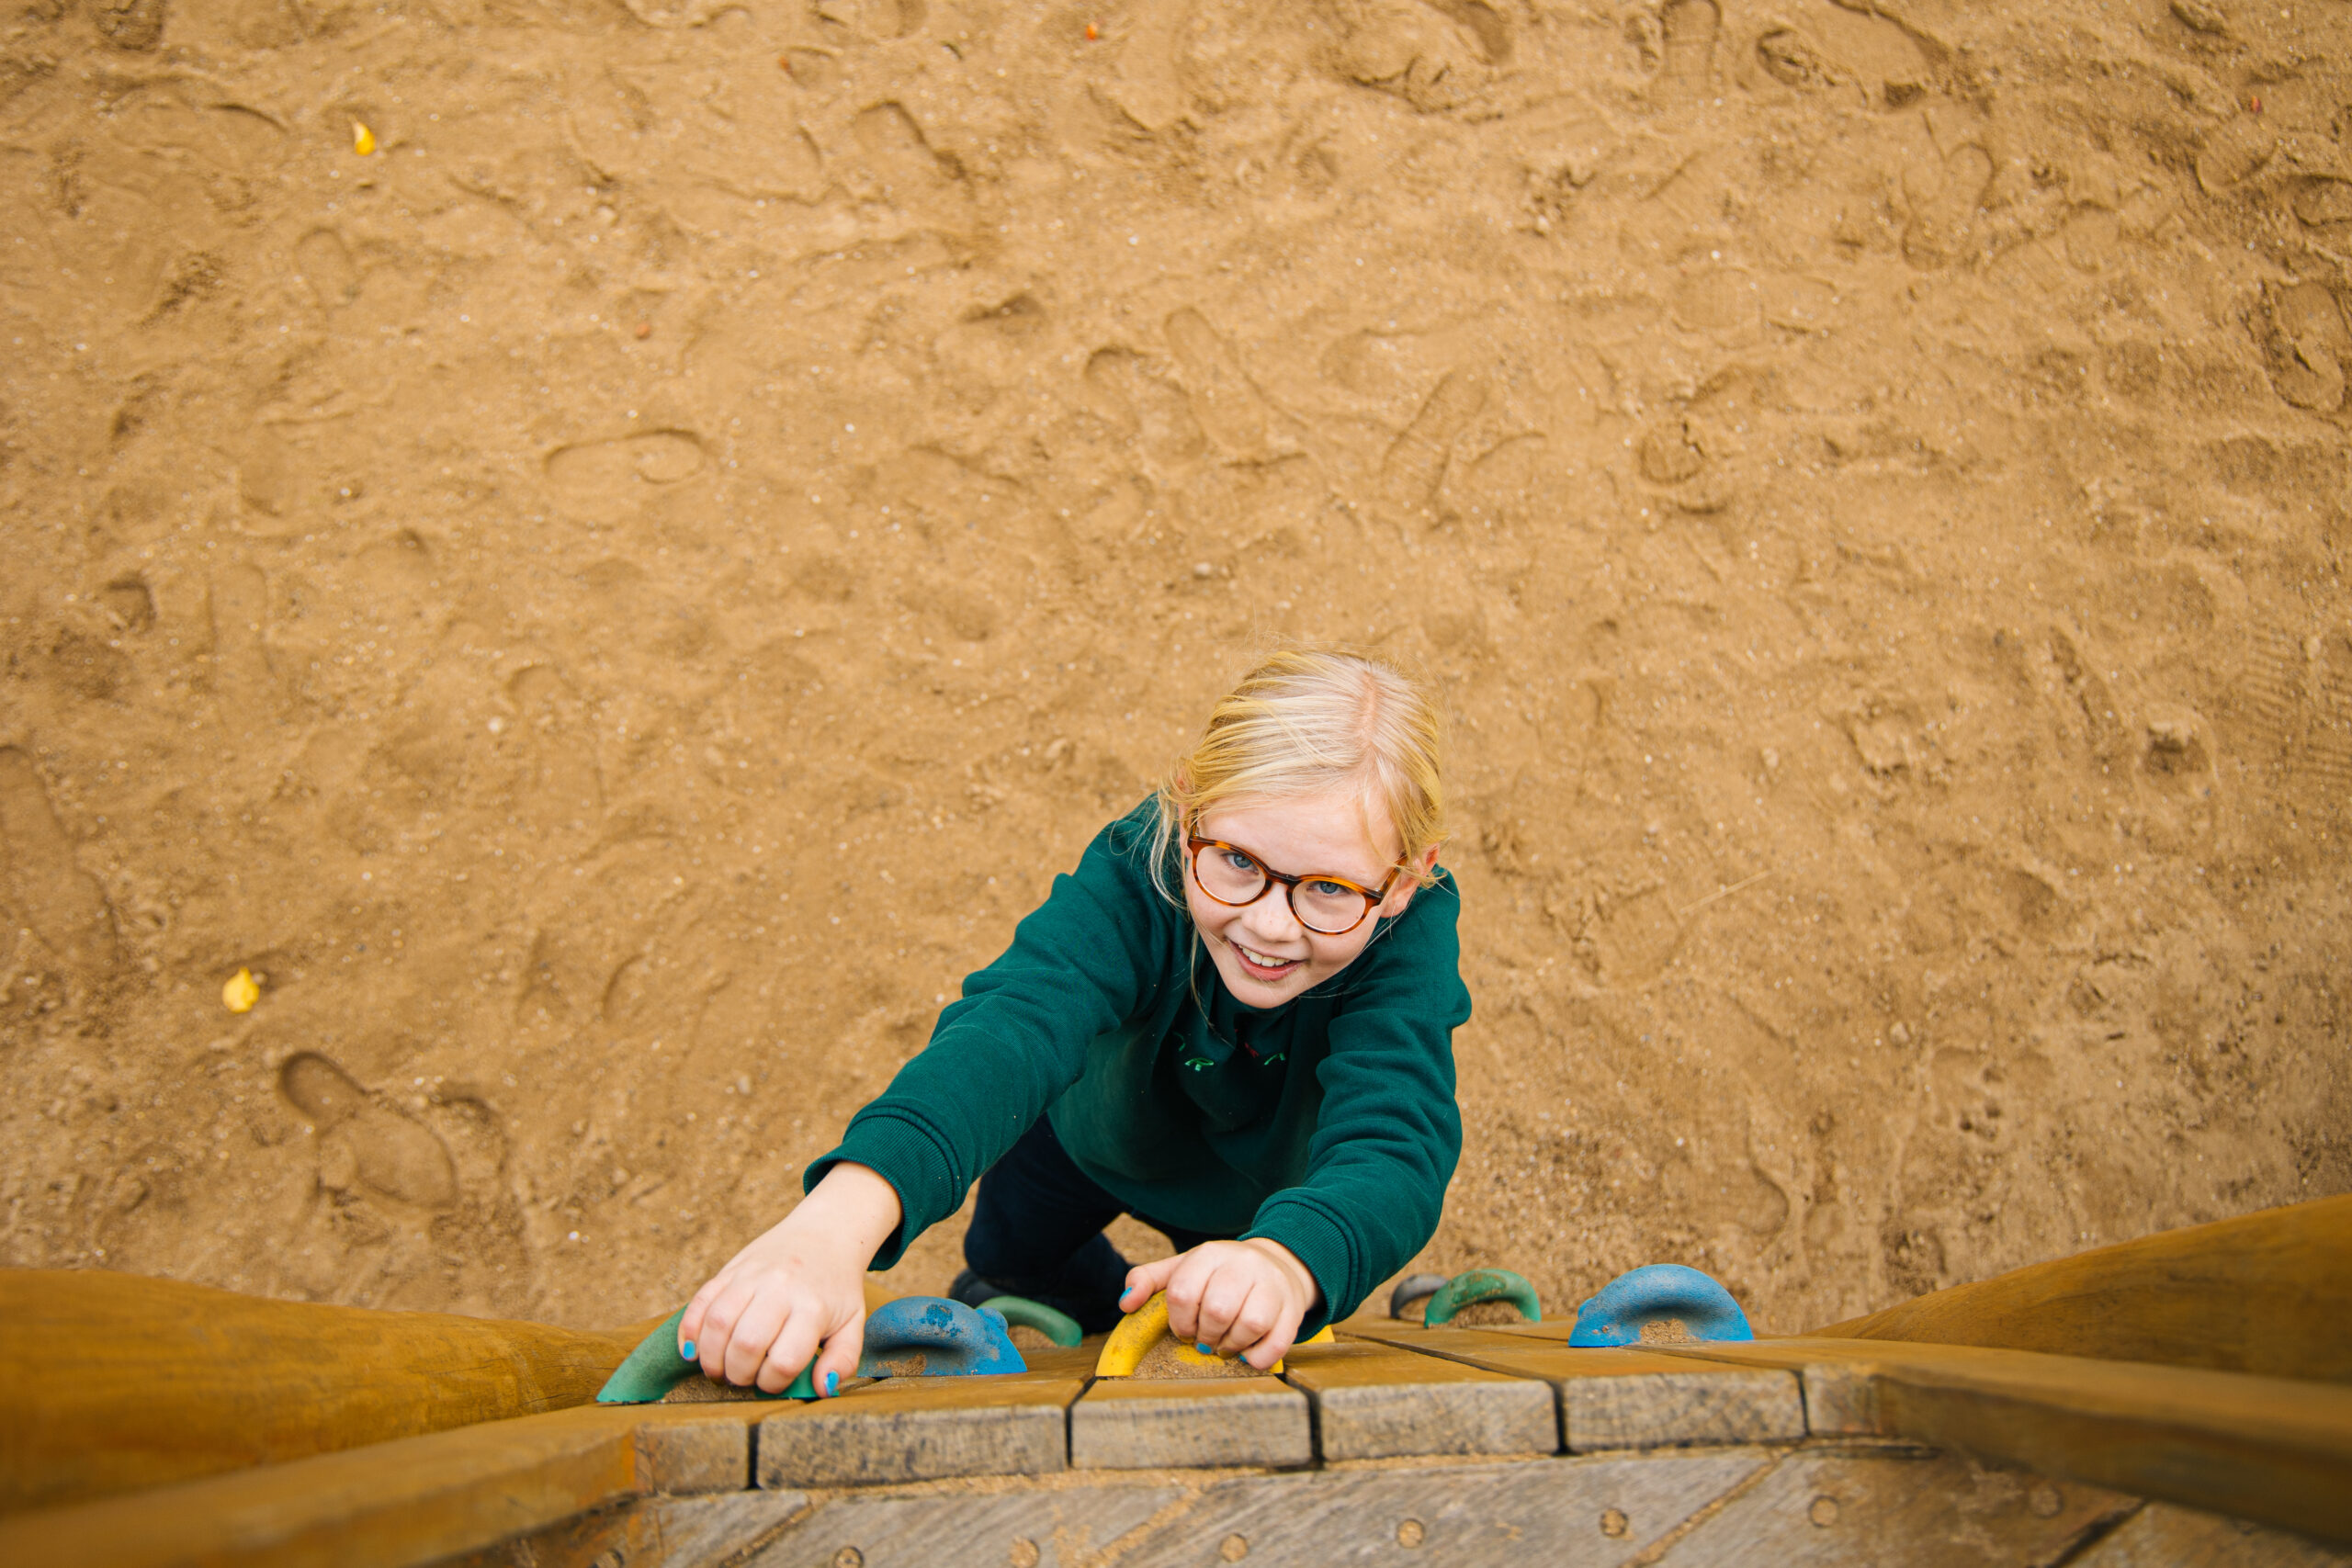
(363, 141)
(241, 992)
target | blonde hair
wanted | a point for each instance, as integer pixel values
(1308, 721)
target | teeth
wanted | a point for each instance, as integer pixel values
(1262, 960)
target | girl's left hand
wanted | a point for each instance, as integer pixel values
(1240, 1298)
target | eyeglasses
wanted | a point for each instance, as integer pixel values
(1326, 905)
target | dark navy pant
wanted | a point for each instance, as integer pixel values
(1037, 1231)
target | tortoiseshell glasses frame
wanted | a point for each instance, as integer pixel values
(1268, 877)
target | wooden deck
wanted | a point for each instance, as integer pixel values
(1395, 1444)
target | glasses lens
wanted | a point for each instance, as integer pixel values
(1327, 907)
(1228, 875)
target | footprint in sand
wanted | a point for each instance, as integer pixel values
(874, 18)
(42, 883)
(1226, 404)
(2295, 710)
(2323, 203)
(1944, 204)
(912, 172)
(2306, 345)
(1670, 452)
(361, 1139)
(1688, 29)
(1789, 59)
(324, 263)
(1128, 393)
(654, 457)
(1414, 468)
(1434, 55)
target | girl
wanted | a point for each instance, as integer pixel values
(1234, 1022)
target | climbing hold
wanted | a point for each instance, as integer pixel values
(241, 992)
(1019, 1312)
(1482, 1285)
(913, 1336)
(1413, 1288)
(363, 141)
(1659, 1293)
(931, 1336)
(1144, 1329)
(656, 1367)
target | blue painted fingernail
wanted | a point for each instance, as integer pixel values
(1204, 1350)
(832, 1382)
(687, 1350)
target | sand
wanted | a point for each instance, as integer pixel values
(613, 601)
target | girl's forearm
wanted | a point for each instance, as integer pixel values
(852, 1208)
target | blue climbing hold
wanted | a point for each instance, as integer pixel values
(1657, 1292)
(931, 1336)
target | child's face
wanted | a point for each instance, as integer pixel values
(1264, 954)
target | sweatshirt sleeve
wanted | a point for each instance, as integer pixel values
(1389, 1133)
(1079, 964)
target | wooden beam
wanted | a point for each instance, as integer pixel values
(902, 1429)
(1625, 1398)
(175, 1381)
(2264, 1294)
(408, 1501)
(1373, 1401)
(2278, 1450)
(1139, 1424)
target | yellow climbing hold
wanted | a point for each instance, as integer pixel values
(1146, 1326)
(1137, 1332)
(363, 141)
(241, 992)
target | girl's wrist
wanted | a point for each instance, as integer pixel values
(852, 1207)
(1302, 1279)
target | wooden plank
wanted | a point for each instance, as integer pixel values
(410, 1500)
(1372, 1401)
(1532, 1510)
(403, 1502)
(1624, 1398)
(689, 1448)
(170, 1381)
(2278, 1450)
(1859, 1505)
(1137, 1423)
(904, 1429)
(2163, 1536)
(2263, 1294)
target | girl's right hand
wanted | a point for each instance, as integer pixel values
(797, 1293)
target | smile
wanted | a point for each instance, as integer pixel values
(1261, 967)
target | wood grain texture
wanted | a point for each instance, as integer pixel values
(2264, 1294)
(904, 1429)
(1846, 1506)
(684, 1450)
(1372, 1401)
(2276, 1450)
(1122, 1423)
(175, 1382)
(409, 1501)
(2162, 1535)
(1523, 1511)
(1624, 1398)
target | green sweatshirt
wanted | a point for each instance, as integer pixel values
(1326, 1123)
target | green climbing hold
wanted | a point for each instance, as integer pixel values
(654, 1367)
(1482, 1285)
(1023, 1313)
